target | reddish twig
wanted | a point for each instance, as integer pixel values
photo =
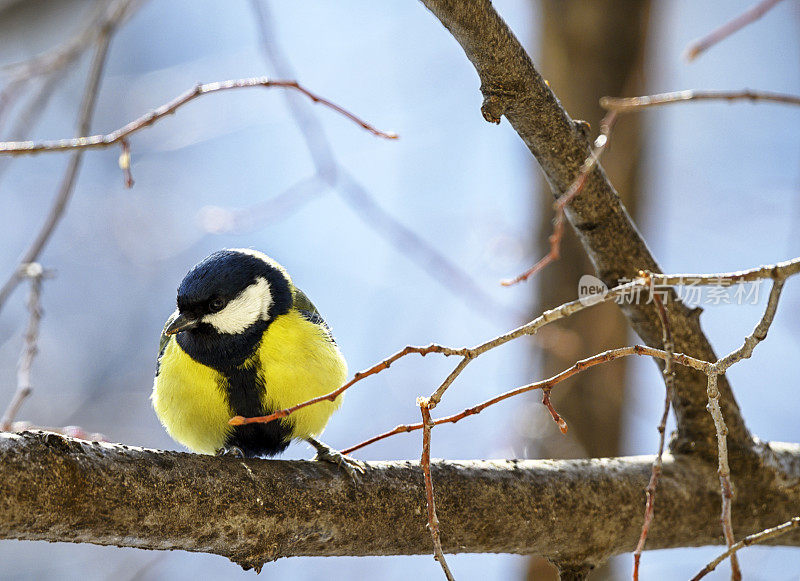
(669, 379)
(35, 273)
(401, 429)
(567, 309)
(377, 368)
(562, 424)
(750, 15)
(632, 104)
(545, 384)
(552, 256)
(606, 125)
(425, 464)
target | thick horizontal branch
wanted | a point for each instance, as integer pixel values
(512, 87)
(252, 511)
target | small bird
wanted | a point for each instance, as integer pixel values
(245, 341)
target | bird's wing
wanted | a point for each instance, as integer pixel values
(306, 308)
(162, 344)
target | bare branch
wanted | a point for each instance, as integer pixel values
(558, 229)
(646, 281)
(724, 470)
(633, 104)
(745, 351)
(750, 15)
(759, 333)
(377, 368)
(57, 488)
(33, 272)
(753, 539)
(546, 385)
(669, 384)
(55, 61)
(148, 119)
(425, 464)
(33, 110)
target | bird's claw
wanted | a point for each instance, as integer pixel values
(351, 466)
(233, 451)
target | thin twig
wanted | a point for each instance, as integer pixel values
(377, 368)
(68, 181)
(545, 384)
(723, 470)
(753, 539)
(760, 331)
(425, 464)
(779, 270)
(750, 15)
(606, 125)
(632, 104)
(743, 352)
(562, 424)
(669, 380)
(148, 119)
(33, 272)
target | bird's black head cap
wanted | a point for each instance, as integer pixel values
(226, 273)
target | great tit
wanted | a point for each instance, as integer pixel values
(245, 341)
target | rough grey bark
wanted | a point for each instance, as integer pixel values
(578, 512)
(512, 87)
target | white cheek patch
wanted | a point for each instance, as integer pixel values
(246, 309)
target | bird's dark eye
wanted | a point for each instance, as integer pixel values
(216, 304)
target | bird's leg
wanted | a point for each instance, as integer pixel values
(234, 451)
(327, 454)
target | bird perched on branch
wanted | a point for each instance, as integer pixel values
(245, 341)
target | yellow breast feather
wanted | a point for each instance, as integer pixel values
(189, 401)
(300, 362)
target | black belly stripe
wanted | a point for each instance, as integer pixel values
(244, 390)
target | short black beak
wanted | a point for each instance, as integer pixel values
(181, 323)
